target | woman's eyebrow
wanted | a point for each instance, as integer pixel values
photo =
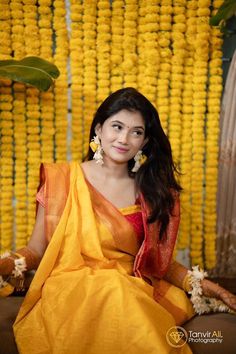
(121, 123)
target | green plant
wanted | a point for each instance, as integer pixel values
(225, 12)
(34, 71)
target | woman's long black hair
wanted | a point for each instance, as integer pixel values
(155, 179)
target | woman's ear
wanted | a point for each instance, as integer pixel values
(98, 130)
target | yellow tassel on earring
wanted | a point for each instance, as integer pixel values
(142, 159)
(94, 143)
(93, 146)
(139, 159)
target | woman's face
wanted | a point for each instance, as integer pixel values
(122, 135)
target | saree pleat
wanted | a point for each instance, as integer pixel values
(84, 298)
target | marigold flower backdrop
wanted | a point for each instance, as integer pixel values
(164, 48)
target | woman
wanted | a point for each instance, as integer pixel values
(104, 237)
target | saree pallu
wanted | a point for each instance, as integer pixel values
(84, 298)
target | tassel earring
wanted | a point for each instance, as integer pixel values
(97, 149)
(139, 159)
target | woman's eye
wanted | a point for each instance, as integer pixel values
(138, 132)
(116, 126)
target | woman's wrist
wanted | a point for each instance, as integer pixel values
(204, 294)
(12, 263)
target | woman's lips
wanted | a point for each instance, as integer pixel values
(120, 149)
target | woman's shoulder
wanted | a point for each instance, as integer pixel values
(88, 168)
(54, 170)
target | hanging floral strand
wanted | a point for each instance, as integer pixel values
(18, 112)
(6, 135)
(177, 65)
(46, 98)
(32, 43)
(151, 49)
(198, 144)
(89, 67)
(130, 43)
(186, 136)
(61, 84)
(76, 61)
(117, 20)
(103, 49)
(141, 27)
(163, 81)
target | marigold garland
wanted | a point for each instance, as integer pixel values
(177, 77)
(89, 64)
(76, 56)
(20, 138)
(6, 126)
(117, 20)
(129, 43)
(32, 44)
(186, 136)
(198, 144)
(151, 50)
(6, 136)
(46, 98)
(103, 49)
(141, 27)
(163, 81)
(212, 138)
(20, 134)
(61, 84)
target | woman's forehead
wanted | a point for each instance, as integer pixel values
(128, 118)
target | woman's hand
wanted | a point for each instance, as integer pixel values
(211, 289)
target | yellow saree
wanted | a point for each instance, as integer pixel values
(84, 298)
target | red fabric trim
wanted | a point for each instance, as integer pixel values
(154, 256)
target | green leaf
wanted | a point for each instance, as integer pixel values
(30, 70)
(225, 11)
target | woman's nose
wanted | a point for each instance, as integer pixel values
(123, 137)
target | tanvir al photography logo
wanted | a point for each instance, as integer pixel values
(177, 336)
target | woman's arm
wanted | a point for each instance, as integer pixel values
(38, 242)
(178, 275)
(32, 253)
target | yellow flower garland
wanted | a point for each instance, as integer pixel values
(61, 85)
(89, 64)
(178, 45)
(76, 56)
(129, 43)
(198, 144)
(212, 135)
(103, 49)
(32, 44)
(151, 50)
(117, 20)
(186, 138)
(20, 138)
(18, 110)
(163, 81)
(141, 23)
(46, 98)
(6, 137)
(6, 125)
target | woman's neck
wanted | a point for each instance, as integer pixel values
(113, 170)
